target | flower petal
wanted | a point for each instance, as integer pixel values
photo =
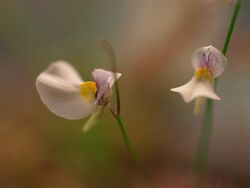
(104, 80)
(65, 71)
(104, 77)
(196, 88)
(93, 119)
(211, 58)
(61, 93)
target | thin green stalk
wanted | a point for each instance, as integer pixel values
(206, 132)
(131, 148)
(110, 52)
(231, 27)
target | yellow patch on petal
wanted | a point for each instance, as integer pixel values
(88, 90)
(203, 73)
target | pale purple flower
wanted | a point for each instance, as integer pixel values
(208, 63)
(65, 94)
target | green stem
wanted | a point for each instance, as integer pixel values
(231, 27)
(131, 148)
(206, 132)
(111, 54)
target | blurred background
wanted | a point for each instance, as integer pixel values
(153, 41)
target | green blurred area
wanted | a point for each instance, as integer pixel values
(154, 41)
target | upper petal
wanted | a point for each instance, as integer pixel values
(104, 80)
(61, 93)
(104, 77)
(211, 58)
(196, 88)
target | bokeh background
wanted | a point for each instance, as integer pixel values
(153, 41)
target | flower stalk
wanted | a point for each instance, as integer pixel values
(116, 113)
(203, 146)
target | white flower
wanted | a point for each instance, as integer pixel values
(65, 94)
(208, 63)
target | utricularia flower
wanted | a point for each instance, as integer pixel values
(65, 94)
(208, 63)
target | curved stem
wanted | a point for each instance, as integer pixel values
(206, 132)
(111, 54)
